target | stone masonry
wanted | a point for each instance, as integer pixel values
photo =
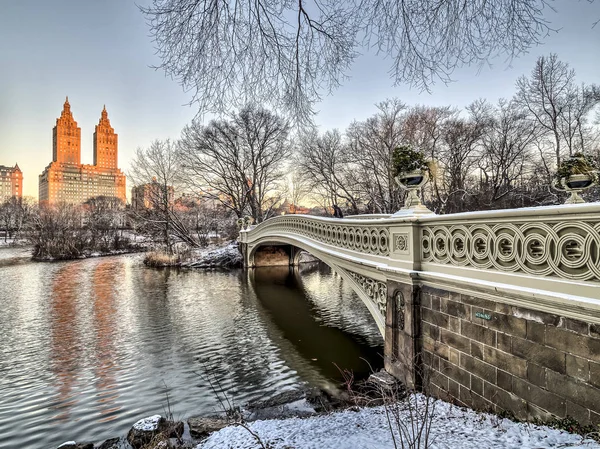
(492, 356)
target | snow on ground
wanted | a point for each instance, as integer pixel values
(216, 256)
(453, 428)
(11, 242)
(148, 424)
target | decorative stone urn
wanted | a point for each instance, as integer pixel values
(412, 182)
(245, 223)
(574, 184)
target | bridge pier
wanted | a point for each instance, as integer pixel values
(402, 333)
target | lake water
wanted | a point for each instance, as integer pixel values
(88, 347)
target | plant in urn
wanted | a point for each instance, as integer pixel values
(411, 172)
(574, 175)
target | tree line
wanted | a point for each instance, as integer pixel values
(246, 163)
(487, 156)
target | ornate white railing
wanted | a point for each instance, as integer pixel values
(559, 241)
(363, 236)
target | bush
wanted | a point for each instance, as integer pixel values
(578, 164)
(159, 259)
(405, 159)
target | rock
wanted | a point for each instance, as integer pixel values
(383, 379)
(201, 427)
(160, 441)
(113, 443)
(224, 257)
(74, 445)
(144, 430)
(285, 397)
(287, 404)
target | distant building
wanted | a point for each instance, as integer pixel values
(11, 182)
(66, 179)
(151, 195)
(290, 208)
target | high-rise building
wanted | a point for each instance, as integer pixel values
(11, 182)
(152, 196)
(66, 179)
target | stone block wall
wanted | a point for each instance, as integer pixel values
(492, 356)
(273, 256)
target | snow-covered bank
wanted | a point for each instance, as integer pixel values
(228, 256)
(11, 243)
(91, 254)
(453, 427)
(225, 256)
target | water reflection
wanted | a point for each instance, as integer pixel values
(89, 346)
(298, 312)
(106, 362)
(64, 339)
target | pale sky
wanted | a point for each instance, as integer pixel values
(99, 52)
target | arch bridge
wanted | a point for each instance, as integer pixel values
(494, 310)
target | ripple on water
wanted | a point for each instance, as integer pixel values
(89, 347)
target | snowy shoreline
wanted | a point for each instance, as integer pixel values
(452, 427)
(223, 256)
(90, 255)
(368, 428)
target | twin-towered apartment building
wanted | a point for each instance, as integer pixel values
(66, 179)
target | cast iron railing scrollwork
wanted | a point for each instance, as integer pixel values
(567, 249)
(374, 289)
(364, 238)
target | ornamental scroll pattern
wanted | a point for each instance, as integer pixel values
(375, 290)
(569, 250)
(364, 238)
(400, 306)
(401, 244)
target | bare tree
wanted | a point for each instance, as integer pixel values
(156, 178)
(424, 129)
(372, 143)
(238, 161)
(104, 217)
(574, 129)
(326, 162)
(556, 104)
(56, 232)
(14, 214)
(506, 153)
(286, 54)
(456, 161)
(299, 188)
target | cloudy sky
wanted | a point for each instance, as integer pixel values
(100, 52)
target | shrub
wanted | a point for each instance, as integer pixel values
(578, 164)
(159, 259)
(405, 159)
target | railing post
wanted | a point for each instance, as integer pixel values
(403, 320)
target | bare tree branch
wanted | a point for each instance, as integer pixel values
(287, 53)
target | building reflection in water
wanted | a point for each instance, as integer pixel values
(64, 339)
(104, 283)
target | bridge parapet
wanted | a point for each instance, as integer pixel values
(361, 235)
(543, 252)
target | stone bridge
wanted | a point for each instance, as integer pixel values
(496, 310)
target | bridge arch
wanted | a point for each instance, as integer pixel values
(372, 292)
